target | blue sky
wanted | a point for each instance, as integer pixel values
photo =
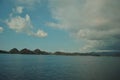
(60, 25)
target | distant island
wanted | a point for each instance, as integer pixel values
(40, 52)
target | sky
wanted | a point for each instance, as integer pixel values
(60, 25)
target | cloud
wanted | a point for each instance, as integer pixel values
(16, 11)
(1, 29)
(19, 23)
(28, 3)
(40, 33)
(19, 9)
(95, 21)
(23, 25)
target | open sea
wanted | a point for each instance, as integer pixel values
(54, 67)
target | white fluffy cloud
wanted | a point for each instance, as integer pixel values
(23, 24)
(96, 21)
(1, 29)
(19, 23)
(41, 33)
(19, 9)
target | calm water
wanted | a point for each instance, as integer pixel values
(46, 67)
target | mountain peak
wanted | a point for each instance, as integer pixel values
(14, 50)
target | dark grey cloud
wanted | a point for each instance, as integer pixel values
(95, 21)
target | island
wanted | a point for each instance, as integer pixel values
(40, 52)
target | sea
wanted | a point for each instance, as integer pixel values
(58, 67)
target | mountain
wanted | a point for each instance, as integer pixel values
(37, 51)
(26, 51)
(45, 53)
(14, 50)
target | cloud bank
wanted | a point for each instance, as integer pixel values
(23, 24)
(95, 21)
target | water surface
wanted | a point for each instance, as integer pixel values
(51, 67)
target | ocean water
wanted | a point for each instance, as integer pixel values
(51, 67)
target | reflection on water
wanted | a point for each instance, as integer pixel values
(40, 67)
